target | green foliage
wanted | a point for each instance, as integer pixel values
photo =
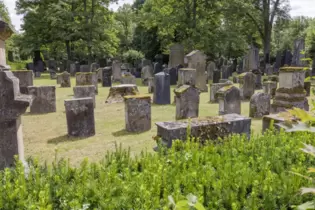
(231, 174)
(132, 55)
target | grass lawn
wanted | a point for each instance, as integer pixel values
(45, 136)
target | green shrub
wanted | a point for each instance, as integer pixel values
(233, 174)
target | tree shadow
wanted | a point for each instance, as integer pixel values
(65, 138)
(124, 132)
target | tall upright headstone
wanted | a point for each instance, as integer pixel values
(162, 91)
(177, 55)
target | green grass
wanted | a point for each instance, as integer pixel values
(45, 136)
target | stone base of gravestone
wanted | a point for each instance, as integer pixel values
(89, 78)
(107, 76)
(270, 87)
(25, 79)
(186, 77)
(117, 93)
(85, 92)
(229, 100)
(216, 76)
(247, 83)
(137, 113)
(187, 102)
(162, 91)
(259, 105)
(307, 88)
(151, 85)
(44, 99)
(209, 128)
(65, 80)
(272, 121)
(214, 89)
(80, 117)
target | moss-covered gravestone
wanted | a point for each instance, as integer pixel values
(87, 78)
(229, 100)
(25, 79)
(259, 105)
(186, 76)
(187, 102)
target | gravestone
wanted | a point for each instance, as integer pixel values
(88, 78)
(247, 83)
(65, 80)
(85, 68)
(177, 55)
(128, 78)
(299, 47)
(186, 76)
(307, 88)
(117, 93)
(259, 105)
(80, 117)
(270, 87)
(146, 72)
(106, 76)
(116, 71)
(85, 92)
(25, 79)
(197, 60)
(12, 105)
(187, 102)
(229, 100)
(210, 70)
(44, 99)
(214, 88)
(151, 85)
(216, 76)
(162, 91)
(206, 128)
(137, 113)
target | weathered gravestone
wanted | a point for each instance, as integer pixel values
(65, 80)
(209, 128)
(128, 78)
(151, 85)
(162, 91)
(116, 69)
(117, 93)
(25, 79)
(229, 100)
(216, 76)
(88, 78)
(12, 106)
(197, 60)
(214, 89)
(247, 82)
(298, 56)
(177, 55)
(137, 113)
(210, 70)
(259, 105)
(85, 68)
(291, 91)
(85, 92)
(106, 76)
(187, 102)
(186, 76)
(270, 87)
(80, 117)
(44, 99)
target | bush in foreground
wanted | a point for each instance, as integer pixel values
(232, 174)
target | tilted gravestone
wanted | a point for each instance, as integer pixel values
(116, 69)
(247, 82)
(106, 76)
(214, 88)
(65, 80)
(162, 91)
(229, 98)
(259, 105)
(186, 76)
(137, 113)
(25, 79)
(44, 99)
(12, 106)
(187, 102)
(85, 92)
(88, 78)
(177, 55)
(80, 117)
(270, 87)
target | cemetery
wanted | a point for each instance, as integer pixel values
(128, 110)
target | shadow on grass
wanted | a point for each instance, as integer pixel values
(64, 138)
(123, 132)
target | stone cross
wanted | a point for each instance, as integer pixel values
(187, 102)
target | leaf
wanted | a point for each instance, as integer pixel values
(307, 206)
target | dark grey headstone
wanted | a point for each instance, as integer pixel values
(162, 92)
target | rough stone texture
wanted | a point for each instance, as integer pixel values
(137, 113)
(44, 99)
(197, 60)
(117, 93)
(270, 87)
(65, 79)
(273, 119)
(88, 78)
(247, 85)
(25, 79)
(259, 105)
(80, 117)
(85, 92)
(216, 76)
(187, 102)
(151, 85)
(85, 68)
(12, 105)
(209, 128)
(307, 88)
(229, 100)
(106, 76)
(128, 78)
(162, 91)
(146, 72)
(116, 68)
(186, 77)
(210, 69)
(177, 55)
(214, 89)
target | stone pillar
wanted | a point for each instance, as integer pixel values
(107, 76)
(187, 102)
(80, 117)
(214, 88)
(88, 78)
(116, 68)
(25, 79)
(137, 113)
(270, 87)
(162, 92)
(85, 92)
(229, 100)
(65, 79)
(12, 105)
(177, 55)
(247, 82)
(44, 99)
(259, 105)
(186, 77)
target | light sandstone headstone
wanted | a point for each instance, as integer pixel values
(87, 78)
(270, 87)
(116, 69)
(65, 80)
(85, 92)
(12, 105)
(177, 55)
(214, 88)
(186, 76)
(259, 105)
(197, 60)
(137, 113)
(162, 91)
(25, 79)
(106, 76)
(117, 93)
(44, 99)
(229, 100)
(80, 117)
(247, 83)
(187, 102)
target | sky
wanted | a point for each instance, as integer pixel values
(298, 7)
